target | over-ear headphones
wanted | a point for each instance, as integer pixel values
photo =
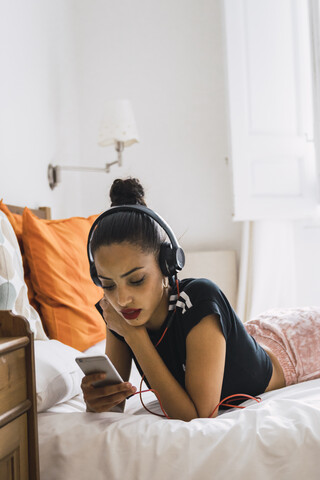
(171, 257)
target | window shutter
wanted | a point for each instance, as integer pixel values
(270, 105)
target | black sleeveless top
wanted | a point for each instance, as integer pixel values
(248, 368)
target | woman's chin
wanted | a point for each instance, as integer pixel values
(137, 322)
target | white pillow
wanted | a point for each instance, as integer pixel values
(58, 377)
(13, 290)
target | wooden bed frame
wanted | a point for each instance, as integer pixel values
(19, 451)
(41, 212)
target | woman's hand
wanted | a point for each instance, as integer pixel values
(115, 321)
(103, 399)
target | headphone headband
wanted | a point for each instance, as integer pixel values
(171, 255)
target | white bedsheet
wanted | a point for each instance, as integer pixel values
(276, 439)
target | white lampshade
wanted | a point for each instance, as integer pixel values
(118, 124)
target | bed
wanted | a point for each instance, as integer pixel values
(276, 438)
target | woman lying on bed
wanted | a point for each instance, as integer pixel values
(206, 353)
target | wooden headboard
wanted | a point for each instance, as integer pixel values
(41, 212)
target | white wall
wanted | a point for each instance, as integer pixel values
(61, 60)
(38, 102)
(168, 58)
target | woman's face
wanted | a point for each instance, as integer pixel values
(133, 284)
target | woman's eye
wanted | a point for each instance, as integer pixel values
(108, 287)
(137, 282)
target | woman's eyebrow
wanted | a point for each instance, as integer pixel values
(122, 276)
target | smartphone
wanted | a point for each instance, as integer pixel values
(100, 364)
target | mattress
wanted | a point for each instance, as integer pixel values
(277, 438)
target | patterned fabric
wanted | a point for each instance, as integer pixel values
(16, 221)
(13, 290)
(293, 335)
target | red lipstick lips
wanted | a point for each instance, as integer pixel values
(131, 313)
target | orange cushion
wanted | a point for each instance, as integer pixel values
(57, 255)
(16, 222)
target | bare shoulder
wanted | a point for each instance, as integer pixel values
(207, 330)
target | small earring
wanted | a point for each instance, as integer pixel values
(165, 282)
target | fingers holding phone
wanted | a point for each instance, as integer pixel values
(103, 387)
(106, 397)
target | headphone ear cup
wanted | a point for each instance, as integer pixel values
(170, 259)
(180, 259)
(165, 259)
(94, 275)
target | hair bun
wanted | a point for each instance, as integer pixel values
(127, 192)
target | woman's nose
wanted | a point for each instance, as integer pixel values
(124, 297)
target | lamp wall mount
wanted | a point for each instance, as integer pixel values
(54, 171)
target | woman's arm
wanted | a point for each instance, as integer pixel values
(104, 399)
(117, 351)
(119, 354)
(206, 352)
(204, 370)
(174, 398)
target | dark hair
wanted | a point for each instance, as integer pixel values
(127, 192)
(136, 228)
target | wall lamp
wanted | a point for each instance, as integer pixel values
(118, 128)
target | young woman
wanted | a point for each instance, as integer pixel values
(206, 353)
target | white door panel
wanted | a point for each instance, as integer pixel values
(270, 103)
